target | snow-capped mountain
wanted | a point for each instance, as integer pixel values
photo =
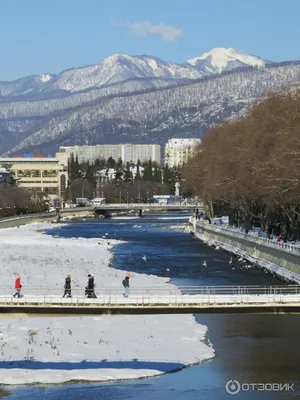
(112, 70)
(154, 116)
(123, 68)
(120, 68)
(223, 59)
(24, 85)
(134, 99)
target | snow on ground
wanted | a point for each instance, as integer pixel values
(54, 350)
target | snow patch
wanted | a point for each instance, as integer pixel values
(55, 350)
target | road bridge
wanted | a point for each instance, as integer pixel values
(145, 300)
(140, 208)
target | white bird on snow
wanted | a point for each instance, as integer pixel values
(205, 263)
(230, 261)
(144, 258)
(240, 259)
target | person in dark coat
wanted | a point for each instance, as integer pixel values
(125, 283)
(90, 289)
(67, 286)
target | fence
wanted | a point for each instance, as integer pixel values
(191, 295)
(259, 240)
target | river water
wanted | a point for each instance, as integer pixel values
(249, 348)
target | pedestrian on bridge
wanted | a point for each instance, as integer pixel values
(67, 286)
(18, 286)
(125, 283)
(90, 289)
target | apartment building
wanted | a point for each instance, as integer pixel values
(40, 174)
(4, 178)
(127, 152)
(178, 151)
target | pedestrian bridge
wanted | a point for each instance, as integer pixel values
(149, 300)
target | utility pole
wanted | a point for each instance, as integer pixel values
(98, 186)
(139, 191)
(82, 192)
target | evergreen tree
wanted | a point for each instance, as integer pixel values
(138, 171)
(157, 175)
(100, 163)
(111, 163)
(127, 173)
(119, 164)
(148, 175)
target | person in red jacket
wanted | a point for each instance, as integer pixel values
(18, 286)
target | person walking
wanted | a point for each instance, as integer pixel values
(90, 289)
(67, 286)
(125, 283)
(18, 286)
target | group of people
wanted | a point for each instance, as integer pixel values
(89, 290)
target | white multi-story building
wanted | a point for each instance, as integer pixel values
(127, 152)
(40, 174)
(178, 151)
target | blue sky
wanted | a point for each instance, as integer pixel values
(39, 36)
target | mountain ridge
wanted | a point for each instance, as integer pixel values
(121, 67)
(149, 109)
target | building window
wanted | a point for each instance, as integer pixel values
(62, 184)
(35, 173)
(50, 173)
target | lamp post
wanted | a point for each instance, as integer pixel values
(127, 197)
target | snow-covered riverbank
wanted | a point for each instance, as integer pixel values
(54, 350)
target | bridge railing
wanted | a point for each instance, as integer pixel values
(256, 239)
(157, 295)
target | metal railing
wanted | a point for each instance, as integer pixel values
(191, 295)
(256, 239)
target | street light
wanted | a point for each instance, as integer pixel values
(127, 197)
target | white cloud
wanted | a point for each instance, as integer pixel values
(142, 29)
(168, 33)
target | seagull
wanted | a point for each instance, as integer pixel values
(205, 263)
(144, 258)
(240, 259)
(217, 247)
(230, 261)
(168, 269)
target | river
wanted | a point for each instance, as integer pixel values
(249, 348)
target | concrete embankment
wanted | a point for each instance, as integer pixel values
(26, 219)
(282, 262)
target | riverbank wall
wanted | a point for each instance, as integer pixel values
(18, 220)
(282, 262)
